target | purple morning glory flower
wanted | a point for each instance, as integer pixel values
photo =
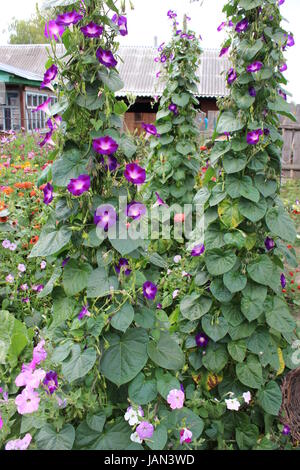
(242, 26)
(223, 51)
(283, 281)
(145, 430)
(105, 145)
(254, 136)
(135, 210)
(84, 312)
(47, 139)
(266, 132)
(173, 108)
(159, 306)
(49, 75)
(269, 244)
(286, 430)
(171, 14)
(106, 58)
(159, 201)
(201, 340)
(53, 30)
(290, 41)
(112, 163)
(65, 262)
(252, 91)
(105, 217)
(221, 26)
(92, 30)
(79, 185)
(282, 94)
(51, 382)
(121, 21)
(43, 107)
(71, 17)
(231, 76)
(149, 128)
(149, 290)
(123, 265)
(163, 58)
(254, 67)
(283, 68)
(48, 194)
(280, 2)
(135, 174)
(198, 250)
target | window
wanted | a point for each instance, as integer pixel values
(10, 116)
(38, 119)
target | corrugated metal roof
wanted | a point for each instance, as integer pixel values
(138, 69)
(21, 73)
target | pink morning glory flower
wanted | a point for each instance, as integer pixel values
(6, 244)
(233, 404)
(105, 145)
(145, 430)
(92, 30)
(43, 265)
(185, 436)
(66, 19)
(39, 353)
(21, 268)
(49, 75)
(175, 399)
(19, 444)
(9, 278)
(79, 185)
(149, 290)
(48, 194)
(53, 30)
(29, 378)
(106, 58)
(27, 402)
(135, 174)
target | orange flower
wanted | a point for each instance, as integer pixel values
(7, 190)
(42, 187)
(32, 193)
(203, 148)
(21, 194)
(25, 185)
(34, 240)
(2, 206)
(37, 227)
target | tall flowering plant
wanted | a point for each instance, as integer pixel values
(241, 311)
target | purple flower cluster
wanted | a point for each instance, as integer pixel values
(121, 22)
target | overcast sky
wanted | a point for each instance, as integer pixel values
(149, 19)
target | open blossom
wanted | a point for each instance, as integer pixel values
(21, 268)
(123, 266)
(39, 353)
(286, 430)
(290, 41)
(242, 26)
(135, 174)
(175, 293)
(150, 129)
(92, 30)
(145, 430)
(106, 58)
(53, 30)
(134, 437)
(175, 399)
(105, 217)
(283, 68)
(201, 340)
(79, 185)
(185, 436)
(121, 21)
(149, 290)
(48, 194)
(105, 145)
(254, 136)
(19, 444)
(71, 17)
(173, 108)
(198, 250)
(247, 397)
(6, 244)
(43, 265)
(9, 278)
(49, 75)
(177, 259)
(135, 210)
(29, 378)
(50, 382)
(84, 312)
(133, 416)
(255, 67)
(232, 404)
(27, 402)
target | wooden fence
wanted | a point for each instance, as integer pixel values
(291, 145)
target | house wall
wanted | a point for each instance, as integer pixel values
(142, 111)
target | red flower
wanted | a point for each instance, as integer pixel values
(34, 240)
